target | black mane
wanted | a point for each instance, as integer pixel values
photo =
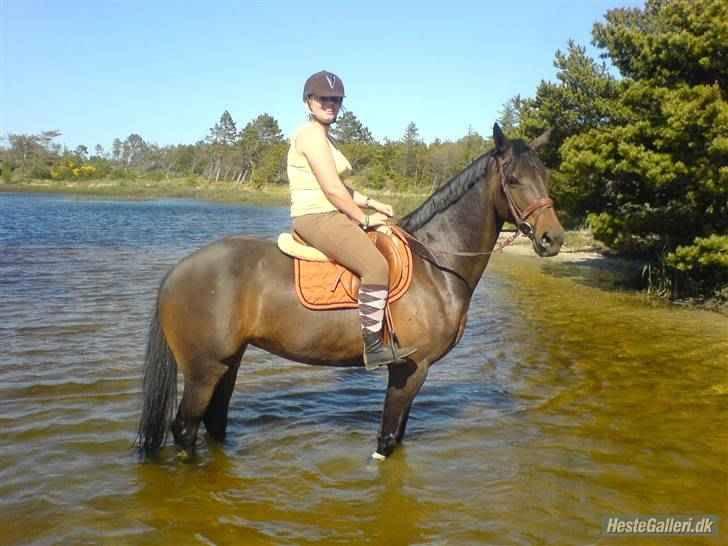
(447, 194)
(450, 193)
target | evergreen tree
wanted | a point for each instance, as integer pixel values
(653, 171)
(261, 142)
(411, 140)
(267, 129)
(669, 42)
(509, 117)
(582, 98)
(224, 131)
(348, 130)
(221, 139)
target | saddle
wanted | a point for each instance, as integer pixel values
(328, 285)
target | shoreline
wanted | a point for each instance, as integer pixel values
(187, 188)
(578, 251)
(139, 189)
(578, 248)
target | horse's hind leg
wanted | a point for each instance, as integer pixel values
(215, 417)
(199, 385)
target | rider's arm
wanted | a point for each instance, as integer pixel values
(359, 199)
(364, 201)
(314, 144)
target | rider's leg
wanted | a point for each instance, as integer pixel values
(341, 239)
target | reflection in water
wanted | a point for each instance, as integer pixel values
(562, 404)
(596, 273)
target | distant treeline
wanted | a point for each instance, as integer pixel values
(252, 155)
(641, 158)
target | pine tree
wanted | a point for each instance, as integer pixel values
(261, 142)
(411, 140)
(653, 170)
(221, 139)
(224, 132)
(349, 129)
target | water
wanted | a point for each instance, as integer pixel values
(564, 403)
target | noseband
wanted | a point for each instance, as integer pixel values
(521, 216)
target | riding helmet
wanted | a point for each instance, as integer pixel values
(323, 84)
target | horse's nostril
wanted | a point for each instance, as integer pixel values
(546, 240)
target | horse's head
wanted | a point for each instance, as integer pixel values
(521, 195)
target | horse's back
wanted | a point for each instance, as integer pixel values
(217, 290)
(226, 258)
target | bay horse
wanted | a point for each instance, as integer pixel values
(239, 291)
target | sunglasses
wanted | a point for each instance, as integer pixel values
(331, 100)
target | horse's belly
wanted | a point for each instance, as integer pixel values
(315, 357)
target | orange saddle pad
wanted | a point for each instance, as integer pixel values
(328, 285)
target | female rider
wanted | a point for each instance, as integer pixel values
(327, 214)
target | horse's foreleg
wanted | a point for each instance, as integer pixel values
(216, 415)
(403, 424)
(199, 385)
(405, 381)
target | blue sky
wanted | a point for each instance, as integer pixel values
(167, 70)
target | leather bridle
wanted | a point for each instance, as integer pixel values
(521, 217)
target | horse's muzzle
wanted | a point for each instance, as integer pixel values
(548, 243)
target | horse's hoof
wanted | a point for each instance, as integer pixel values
(385, 445)
(185, 455)
(378, 456)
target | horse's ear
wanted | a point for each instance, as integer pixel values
(501, 142)
(540, 141)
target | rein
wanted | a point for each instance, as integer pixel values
(498, 247)
(520, 216)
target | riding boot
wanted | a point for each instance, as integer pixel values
(377, 353)
(372, 300)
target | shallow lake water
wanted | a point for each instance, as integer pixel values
(565, 402)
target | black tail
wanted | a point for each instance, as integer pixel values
(159, 390)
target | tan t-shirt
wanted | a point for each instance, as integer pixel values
(307, 197)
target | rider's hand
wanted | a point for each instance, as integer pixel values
(387, 210)
(381, 207)
(377, 219)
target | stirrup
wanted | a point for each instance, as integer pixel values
(401, 353)
(377, 353)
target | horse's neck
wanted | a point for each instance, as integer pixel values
(469, 225)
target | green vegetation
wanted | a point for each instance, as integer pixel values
(638, 152)
(642, 159)
(702, 265)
